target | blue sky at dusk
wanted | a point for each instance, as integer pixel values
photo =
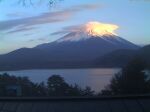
(28, 26)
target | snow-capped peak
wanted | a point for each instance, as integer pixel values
(100, 29)
(90, 30)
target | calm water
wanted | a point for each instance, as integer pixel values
(96, 78)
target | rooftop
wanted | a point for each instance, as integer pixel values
(76, 104)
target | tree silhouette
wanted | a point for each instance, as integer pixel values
(131, 80)
(27, 86)
(57, 86)
(88, 92)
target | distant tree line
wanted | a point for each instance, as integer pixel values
(56, 86)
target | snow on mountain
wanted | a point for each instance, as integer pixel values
(91, 29)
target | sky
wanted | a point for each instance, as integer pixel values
(31, 25)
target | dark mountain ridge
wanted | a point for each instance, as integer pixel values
(64, 54)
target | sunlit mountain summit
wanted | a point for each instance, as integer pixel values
(90, 29)
(104, 33)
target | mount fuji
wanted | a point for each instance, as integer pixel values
(75, 49)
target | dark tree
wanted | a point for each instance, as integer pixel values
(41, 89)
(88, 92)
(75, 90)
(28, 88)
(57, 86)
(78, 91)
(131, 80)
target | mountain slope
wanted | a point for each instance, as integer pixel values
(144, 54)
(22, 58)
(85, 49)
(65, 53)
(120, 58)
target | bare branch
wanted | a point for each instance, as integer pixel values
(30, 2)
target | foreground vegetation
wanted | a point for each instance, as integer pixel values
(132, 80)
(56, 86)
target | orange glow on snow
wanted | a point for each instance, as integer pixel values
(100, 29)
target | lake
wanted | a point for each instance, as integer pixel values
(96, 78)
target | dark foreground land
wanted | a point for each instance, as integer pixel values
(76, 104)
